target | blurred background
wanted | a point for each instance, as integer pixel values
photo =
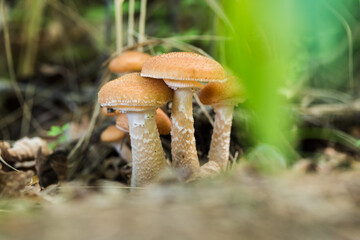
(296, 59)
(58, 50)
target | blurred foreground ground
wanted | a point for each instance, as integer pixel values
(242, 205)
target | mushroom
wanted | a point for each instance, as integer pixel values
(139, 98)
(130, 61)
(163, 122)
(223, 97)
(181, 71)
(115, 136)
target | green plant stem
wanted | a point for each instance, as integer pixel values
(31, 27)
(14, 83)
(118, 24)
(142, 23)
(131, 23)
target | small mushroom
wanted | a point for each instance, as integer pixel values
(163, 122)
(115, 136)
(130, 61)
(110, 112)
(223, 97)
(182, 71)
(139, 98)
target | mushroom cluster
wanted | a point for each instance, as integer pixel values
(173, 76)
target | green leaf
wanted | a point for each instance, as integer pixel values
(52, 145)
(62, 139)
(54, 131)
(65, 127)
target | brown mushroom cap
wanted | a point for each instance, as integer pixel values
(184, 66)
(229, 91)
(105, 111)
(130, 61)
(163, 122)
(122, 122)
(112, 134)
(131, 92)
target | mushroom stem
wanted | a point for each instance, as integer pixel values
(123, 151)
(147, 152)
(220, 139)
(183, 146)
(209, 169)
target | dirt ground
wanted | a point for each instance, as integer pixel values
(240, 205)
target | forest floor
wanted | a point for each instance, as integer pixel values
(242, 204)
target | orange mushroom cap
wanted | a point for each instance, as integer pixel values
(122, 122)
(163, 122)
(131, 92)
(130, 61)
(112, 134)
(183, 66)
(229, 91)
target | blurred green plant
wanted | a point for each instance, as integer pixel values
(259, 50)
(275, 45)
(59, 133)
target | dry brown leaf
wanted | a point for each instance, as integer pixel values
(24, 149)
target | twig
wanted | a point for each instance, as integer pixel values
(9, 57)
(82, 144)
(169, 41)
(25, 125)
(74, 16)
(203, 109)
(188, 47)
(327, 113)
(8, 165)
(350, 45)
(11, 70)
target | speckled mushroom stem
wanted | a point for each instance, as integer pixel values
(220, 140)
(147, 152)
(209, 169)
(183, 146)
